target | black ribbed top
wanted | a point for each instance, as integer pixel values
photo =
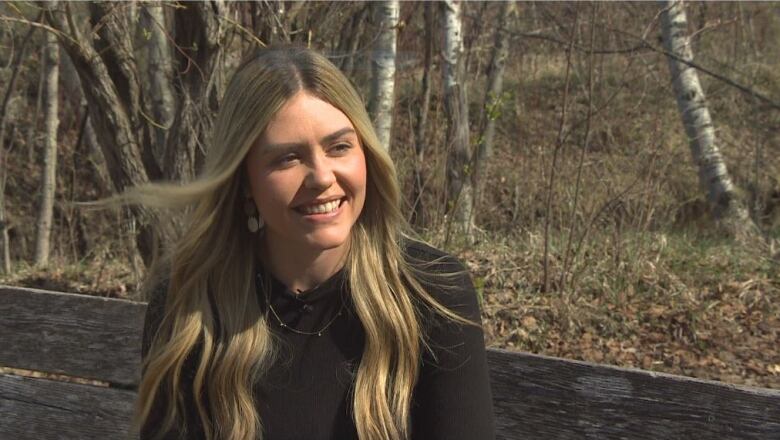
(306, 395)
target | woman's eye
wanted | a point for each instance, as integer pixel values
(287, 159)
(341, 148)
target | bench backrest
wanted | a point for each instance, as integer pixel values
(535, 397)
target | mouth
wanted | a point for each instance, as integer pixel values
(325, 209)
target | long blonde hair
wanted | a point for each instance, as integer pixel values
(211, 262)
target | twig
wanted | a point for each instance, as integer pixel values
(243, 29)
(539, 36)
(567, 254)
(747, 90)
(38, 25)
(190, 61)
(645, 45)
(556, 151)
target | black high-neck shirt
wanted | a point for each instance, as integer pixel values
(306, 395)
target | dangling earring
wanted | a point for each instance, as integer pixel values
(255, 222)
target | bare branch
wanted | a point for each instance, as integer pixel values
(770, 102)
(645, 45)
(59, 33)
(243, 30)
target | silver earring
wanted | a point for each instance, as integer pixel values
(255, 222)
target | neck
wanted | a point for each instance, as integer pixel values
(301, 269)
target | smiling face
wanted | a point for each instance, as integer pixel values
(307, 175)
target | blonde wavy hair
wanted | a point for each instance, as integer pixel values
(210, 262)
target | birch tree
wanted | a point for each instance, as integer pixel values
(49, 175)
(459, 189)
(493, 96)
(713, 174)
(383, 70)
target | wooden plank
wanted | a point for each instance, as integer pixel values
(76, 335)
(39, 409)
(539, 397)
(536, 397)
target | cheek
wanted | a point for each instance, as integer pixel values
(272, 196)
(359, 174)
(358, 181)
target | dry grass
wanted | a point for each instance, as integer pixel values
(681, 304)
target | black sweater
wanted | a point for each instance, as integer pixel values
(306, 394)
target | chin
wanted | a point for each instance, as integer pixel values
(327, 241)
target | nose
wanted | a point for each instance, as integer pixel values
(320, 175)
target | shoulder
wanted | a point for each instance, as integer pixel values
(453, 349)
(427, 258)
(444, 277)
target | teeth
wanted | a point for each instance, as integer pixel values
(321, 209)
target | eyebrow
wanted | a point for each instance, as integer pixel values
(325, 140)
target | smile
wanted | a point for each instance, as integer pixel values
(323, 208)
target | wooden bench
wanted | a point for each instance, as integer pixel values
(536, 397)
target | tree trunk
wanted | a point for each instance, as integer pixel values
(4, 117)
(32, 129)
(493, 100)
(419, 141)
(110, 80)
(160, 74)
(95, 158)
(278, 29)
(383, 70)
(713, 174)
(459, 191)
(269, 21)
(49, 175)
(114, 111)
(69, 78)
(351, 40)
(199, 32)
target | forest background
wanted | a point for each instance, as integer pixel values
(561, 150)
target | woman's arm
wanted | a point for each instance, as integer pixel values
(453, 400)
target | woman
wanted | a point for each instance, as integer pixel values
(294, 305)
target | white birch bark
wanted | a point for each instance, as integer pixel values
(459, 191)
(49, 175)
(383, 70)
(713, 174)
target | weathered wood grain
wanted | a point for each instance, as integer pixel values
(40, 409)
(539, 397)
(76, 335)
(535, 397)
